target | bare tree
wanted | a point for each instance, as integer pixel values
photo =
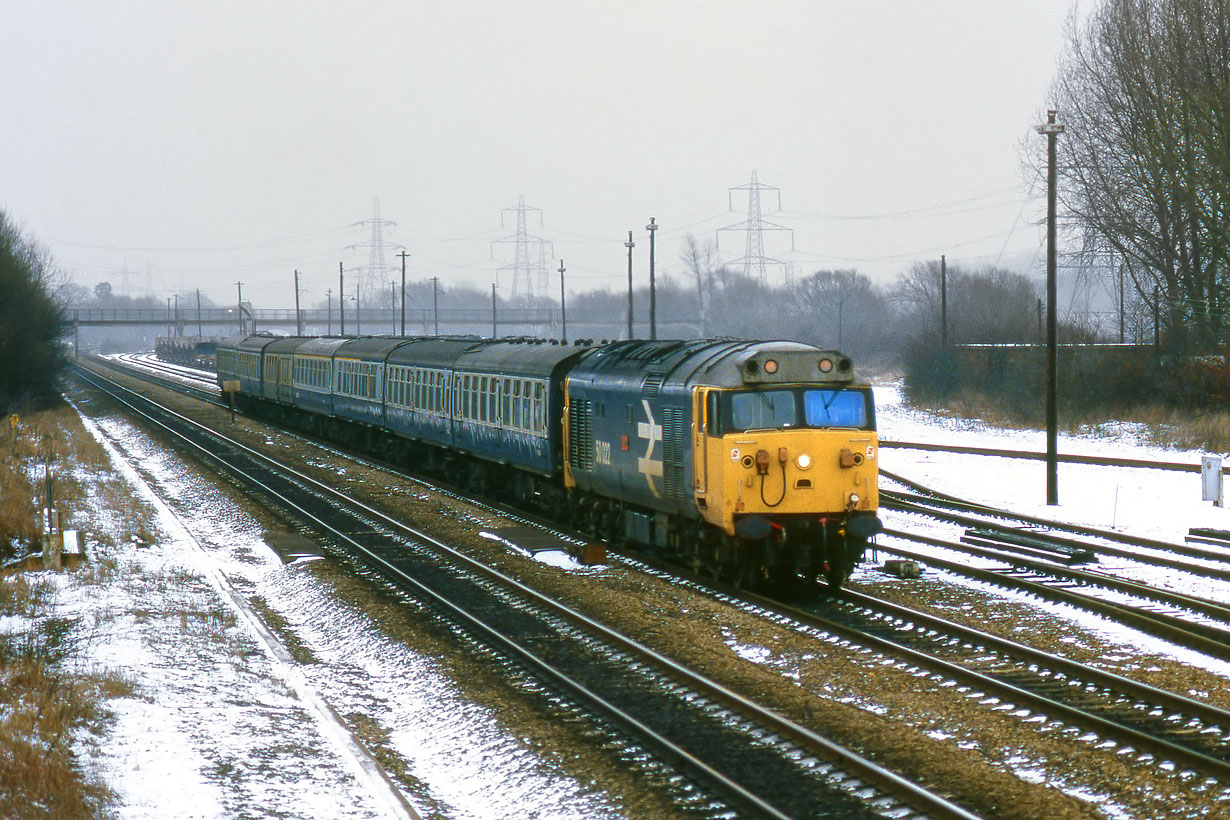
(988, 306)
(840, 309)
(1144, 90)
(700, 259)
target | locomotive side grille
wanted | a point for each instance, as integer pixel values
(581, 435)
(673, 445)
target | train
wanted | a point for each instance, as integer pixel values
(192, 351)
(754, 462)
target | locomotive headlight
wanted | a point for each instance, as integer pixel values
(803, 460)
(853, 499)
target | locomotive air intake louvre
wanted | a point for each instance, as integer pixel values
(581, 435)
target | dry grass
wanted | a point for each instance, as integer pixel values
(1163, 426)
(44, 697)
(1209, 430)
(41, 707)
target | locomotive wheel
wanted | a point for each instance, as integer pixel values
(835, 574)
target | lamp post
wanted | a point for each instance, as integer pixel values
(1052, 130)
(629, 245)
(341, 299)
(653, 297)
(329, 310)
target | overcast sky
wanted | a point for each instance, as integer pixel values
(201, 144)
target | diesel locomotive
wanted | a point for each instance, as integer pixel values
(751, 461)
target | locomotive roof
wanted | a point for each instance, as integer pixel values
(722, 363)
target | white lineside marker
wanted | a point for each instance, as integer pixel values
(1211, 479)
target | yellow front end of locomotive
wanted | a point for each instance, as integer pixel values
(782, 473)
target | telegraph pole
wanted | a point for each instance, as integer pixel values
(329, 311)
(563, 311)
(358, 311)
(169, 334)
(629, 245)
(435, 302)
(393, 296)
(298, 314)
(944, 302)
(198, 313)
(341, 299)
(493, 310)
(653, 297)
(403, 256)
(179, 329)
(1052, 130)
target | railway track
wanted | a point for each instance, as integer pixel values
(1191, 620)
(1149, 722)
(1007, 675)
(748, 757)
(1100, 461)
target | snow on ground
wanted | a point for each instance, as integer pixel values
(1155, 503)
(226, 725)
(1160, 504)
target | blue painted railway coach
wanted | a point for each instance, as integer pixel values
(509, 402)
(240, 359)
(312, 383)
(359, 378)
(277, 369)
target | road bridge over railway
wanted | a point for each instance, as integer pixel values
(506, 321)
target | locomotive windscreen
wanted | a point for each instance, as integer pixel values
(795, 407)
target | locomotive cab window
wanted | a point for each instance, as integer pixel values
(793, 407)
